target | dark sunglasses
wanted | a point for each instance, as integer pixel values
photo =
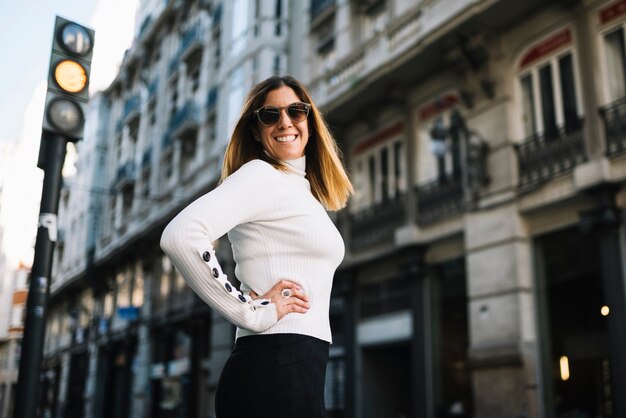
(270, 115)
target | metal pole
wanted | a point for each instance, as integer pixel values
(51, 159)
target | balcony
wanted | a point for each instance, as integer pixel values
(126, 175)
(191, 43)
(438, 200)
(131, 108)
(614, 118)
(377, 224)
(540, 159)
(185, 121)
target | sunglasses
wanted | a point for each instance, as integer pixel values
(270, 115)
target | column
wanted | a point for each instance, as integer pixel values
(502, 314)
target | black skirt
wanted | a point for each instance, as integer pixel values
(277, 376)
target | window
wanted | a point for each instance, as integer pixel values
(379, 168)
(278, 14)
(173, 97)
(548, 89)
(616, 63)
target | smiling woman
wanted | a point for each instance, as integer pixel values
(281, 171)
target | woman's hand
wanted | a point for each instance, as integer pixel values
(287, 296)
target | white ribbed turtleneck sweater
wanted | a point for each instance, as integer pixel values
(278, 230)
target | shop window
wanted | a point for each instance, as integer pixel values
(451, 371)
(573, 328)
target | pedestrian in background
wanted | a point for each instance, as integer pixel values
(281, 172)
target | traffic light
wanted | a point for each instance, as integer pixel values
(68, 79)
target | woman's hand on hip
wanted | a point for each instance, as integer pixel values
(287, 296)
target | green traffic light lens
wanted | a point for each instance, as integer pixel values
(76, 39)
(65, 115)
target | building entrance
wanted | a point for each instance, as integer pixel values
(387, 381)
(573, 326)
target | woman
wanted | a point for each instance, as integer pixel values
(281, 171)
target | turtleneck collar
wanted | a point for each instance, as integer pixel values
(298, 165)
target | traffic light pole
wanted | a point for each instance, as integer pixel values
(51, 159)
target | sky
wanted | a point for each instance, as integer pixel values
(25, 42)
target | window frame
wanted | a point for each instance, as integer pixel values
(552, 59)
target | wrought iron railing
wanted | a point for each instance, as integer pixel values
(439, 199)
(193, 36)
(540, 159)
(187, 113)
(614, 117)
(378, 223)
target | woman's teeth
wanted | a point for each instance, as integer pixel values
(287, 138)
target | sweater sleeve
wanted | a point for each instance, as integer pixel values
(187, 241)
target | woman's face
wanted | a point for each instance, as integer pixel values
(286, 139)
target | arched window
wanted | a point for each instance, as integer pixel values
(549, 87)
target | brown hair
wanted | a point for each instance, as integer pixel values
(329, 182)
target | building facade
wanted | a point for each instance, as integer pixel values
(484, 268)
(13, 291)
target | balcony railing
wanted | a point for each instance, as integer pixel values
(185, 119)
(614, 117)
(377, 224)
(193, 37)
(540, 159)
(438, 200)
(126, 175)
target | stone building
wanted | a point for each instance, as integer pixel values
(13, 294)
(484, 268)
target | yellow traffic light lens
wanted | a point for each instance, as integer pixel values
(70, 76)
